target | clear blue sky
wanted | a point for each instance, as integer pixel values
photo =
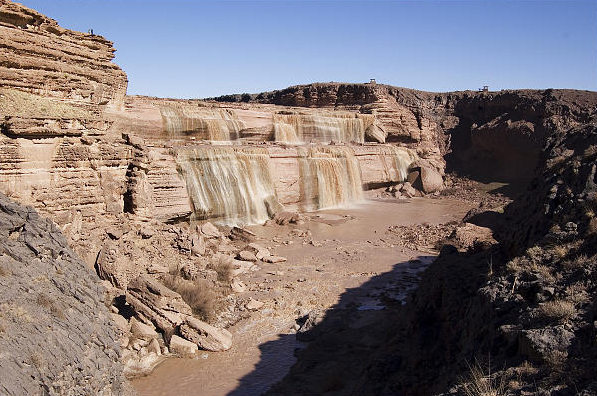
(195, 49)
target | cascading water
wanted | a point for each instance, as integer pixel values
(330, 177)
(338, 127)
(202, 123)
(233, 186)
(401, 159)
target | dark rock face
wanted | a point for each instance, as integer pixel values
(56, 335)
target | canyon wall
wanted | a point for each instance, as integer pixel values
(489, 135)
(39, 56)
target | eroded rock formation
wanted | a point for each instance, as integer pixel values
(56, 333)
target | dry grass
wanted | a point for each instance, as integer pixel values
(37, 360)
(577, 294)
(560, 251)
(560, 310)
(223, 266)
(202, 296)
(15, 103)
(591, 206)
(522, 264)
(481, 384)
(556, 360)
(580, 261)
(47, 303)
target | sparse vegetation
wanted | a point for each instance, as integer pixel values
(480, 384)
(37, 360)
(4, 271)
(47, 303)
(577, 294)
(560, 251)
(14, 103)
(223, 266)
(524, 264)
(580, 261)
(558, 310)
(201, 295)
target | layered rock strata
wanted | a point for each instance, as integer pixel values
(39, 56)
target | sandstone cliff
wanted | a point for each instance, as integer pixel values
(41, 57)
(494, 135)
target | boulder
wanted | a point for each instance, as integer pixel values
(120, 322)
(137, 365)
(154, 347)
(374, 133)
(112, 266)
(209, 230)
(182, 347)
(142, 331)
(157, 303)
(146, 232)
(206, 336)
(468, 235)
(241, 234)
(255, 248)
(413, 176)
(197, 245)
(246, 255)
(408, 190)
(431, 180)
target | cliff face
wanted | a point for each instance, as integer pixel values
(41, 57)
(56, 334)
(494, 135)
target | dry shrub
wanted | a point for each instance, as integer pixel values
(556, 360)
(37, 360)
(522, 264)
(592, 226)
(560, 251)
(201, 296)
(558, 309)
(48, 304)
(580, 261)
(591, 206)
(4, 271)
(577, 294)
(223, 266)
(480, 384)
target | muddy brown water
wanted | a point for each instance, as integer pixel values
(350, 247)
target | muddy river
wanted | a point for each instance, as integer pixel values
(345, 249)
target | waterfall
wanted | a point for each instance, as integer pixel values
(233, 186)
(338, 127)
(202, 123)
(330, 177)
(402, 158)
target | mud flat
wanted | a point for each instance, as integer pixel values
(336, 251)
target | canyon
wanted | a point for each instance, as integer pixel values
(329, 238)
